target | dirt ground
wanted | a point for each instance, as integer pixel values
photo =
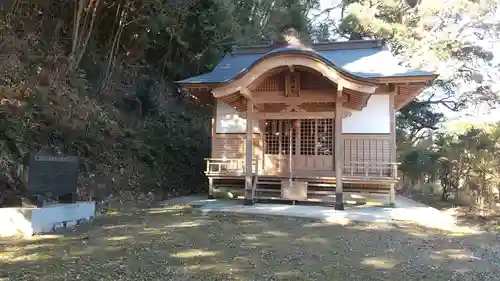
(178, 243)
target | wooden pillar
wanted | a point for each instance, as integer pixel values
(315, 136)
(393, 170)
(249, 200)
(297, 139)
(339, 152)
(280, 140)
(214, 135)
(262, 126)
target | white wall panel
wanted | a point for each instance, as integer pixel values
(373, 119)
(228, 120)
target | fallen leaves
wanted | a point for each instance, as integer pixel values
(176, 243)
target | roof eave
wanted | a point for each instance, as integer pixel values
(405, 79)
(190, 85)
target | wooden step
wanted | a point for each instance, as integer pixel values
(321, 192)
(267, 190)
(267, 198)
(320, 185)
(366, 190)
(307, 200)
(269, 182)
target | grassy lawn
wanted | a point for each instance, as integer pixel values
(179, 244)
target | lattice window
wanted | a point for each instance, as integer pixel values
(272, 137)
(324, 144)
(307, 134)
(313, 81)
(277, 137)
(316, 137)
(274, 83)
(285, 138)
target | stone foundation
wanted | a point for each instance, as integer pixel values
(48, 219)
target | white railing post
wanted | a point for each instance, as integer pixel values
(224, 165)
(395, 170)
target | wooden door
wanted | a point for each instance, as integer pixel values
(311, 147)
(277, 147)
(315, 151)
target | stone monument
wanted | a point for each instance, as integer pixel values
(52, 184)
(52, 176)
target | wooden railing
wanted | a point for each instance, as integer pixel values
(236, 166)
(228, 165)
(371, 169)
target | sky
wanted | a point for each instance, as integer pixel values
(473, 115)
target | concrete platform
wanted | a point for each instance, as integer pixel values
(406, 210)
(30, 221)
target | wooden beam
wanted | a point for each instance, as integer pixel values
(339, 155)
(384, 89)
(292, 108)
(249, 200)
(392, 118)
(298, 115)
(306, 96)
(246, 93)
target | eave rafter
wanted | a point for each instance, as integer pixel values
(201, 94)
(404, 93)
(404, 89)
(236, 100)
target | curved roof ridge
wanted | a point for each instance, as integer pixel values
(301, 51)
(321, 46)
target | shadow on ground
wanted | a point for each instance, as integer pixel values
(177, 243)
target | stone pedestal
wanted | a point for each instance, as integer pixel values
(295, 190)
(47, 219)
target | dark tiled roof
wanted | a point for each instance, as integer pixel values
(362, 59)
